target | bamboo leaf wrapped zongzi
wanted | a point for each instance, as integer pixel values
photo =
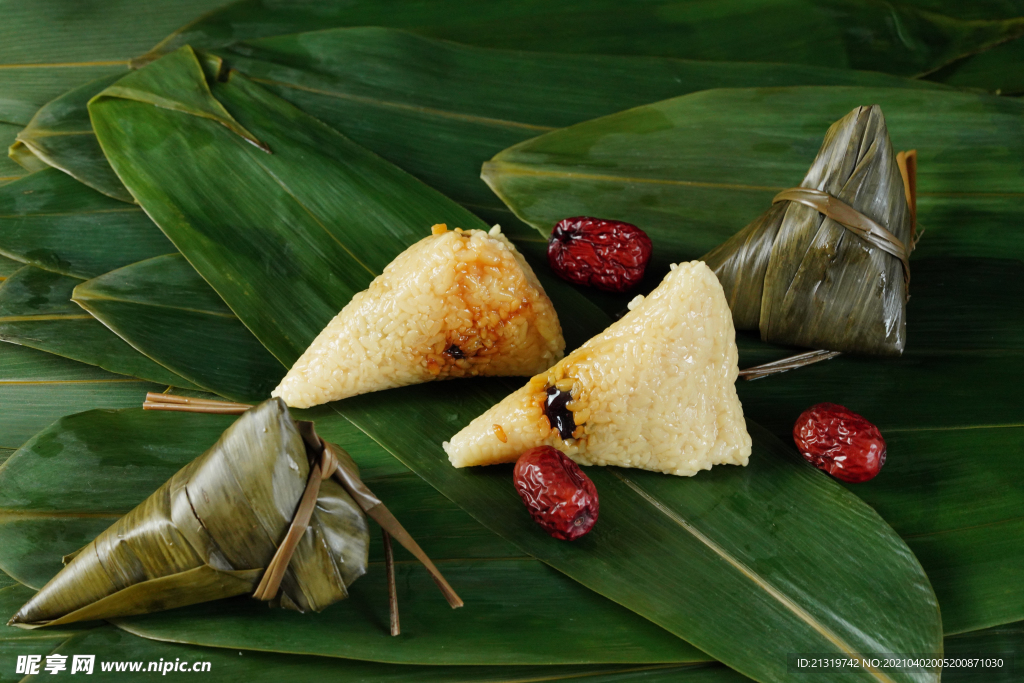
(827, 265)
(213, 530)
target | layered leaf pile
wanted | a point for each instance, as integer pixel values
(194, 222)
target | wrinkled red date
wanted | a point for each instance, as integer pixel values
(608, 255)
(558, 495)
(840, 442)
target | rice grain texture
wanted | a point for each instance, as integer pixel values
(455, 304)
(655, 391)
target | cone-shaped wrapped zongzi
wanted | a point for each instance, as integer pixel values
(656, 391)
(211, 530)
(826, 266)
(455, 304)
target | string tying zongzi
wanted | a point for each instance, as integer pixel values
(851, 219)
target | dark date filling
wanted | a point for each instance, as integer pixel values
(560, 416)
(455, 352)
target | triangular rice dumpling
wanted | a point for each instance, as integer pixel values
(806, 279)
(656, 391)
(210, 531)
(455, 304)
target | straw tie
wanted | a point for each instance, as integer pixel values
(851, 219)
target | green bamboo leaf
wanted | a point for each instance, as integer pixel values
(994, 68)
(166, 311)
(434, 108)
(51, 221)
(51, 46)
(113, 645)
(706, 584)
(73, 480)
(328, 245)
(694, 170)
(109, 644)
(8, 267)
(60, 135)
(874, 36)
(1003, 641)
(37, 388)
(36, 311)
(690, 554)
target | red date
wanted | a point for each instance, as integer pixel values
(608, 255)
(839, 441)
(558, 495)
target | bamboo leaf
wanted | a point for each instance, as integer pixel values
(36, 311)
(710, 525)
(874, 36)
(51, 221)
(109, 645)
(118, 645)
(73, 480)
(693, 170)
(991, 70)
(436, 109)
(52, 46)
(166, 311)
(8, 267)
(60, 135)
(338, 240)
(37, 388)
(706, 583)
(1006, 642)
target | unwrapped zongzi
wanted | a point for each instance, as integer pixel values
(455, 304)
(827, 265)
(655, 391)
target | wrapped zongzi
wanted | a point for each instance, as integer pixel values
(827, 265)
(259, 513)
(656, 391)
(455, 304)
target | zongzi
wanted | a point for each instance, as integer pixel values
(827, 265)
(656, 390)
(270, 509)
(455, 304)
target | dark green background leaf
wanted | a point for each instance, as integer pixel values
(36, 388)
(51, 221)
(50, 46)
(693, 554)
(694, 170)
(875, 36)
(436, 109)
(36, 311)
(326, 244)
(72, 481)
(165, 310)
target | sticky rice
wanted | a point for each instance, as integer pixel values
(655, 391)
(455, 304)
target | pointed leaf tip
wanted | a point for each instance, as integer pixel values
(182, 84)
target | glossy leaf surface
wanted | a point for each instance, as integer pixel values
(48, 47)
(52, 221)
(165, 310)
(694, 170)
(73, 480)
(36, 311)
(894, 38)
(340, 212)
(37, 388)
(436, 109)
